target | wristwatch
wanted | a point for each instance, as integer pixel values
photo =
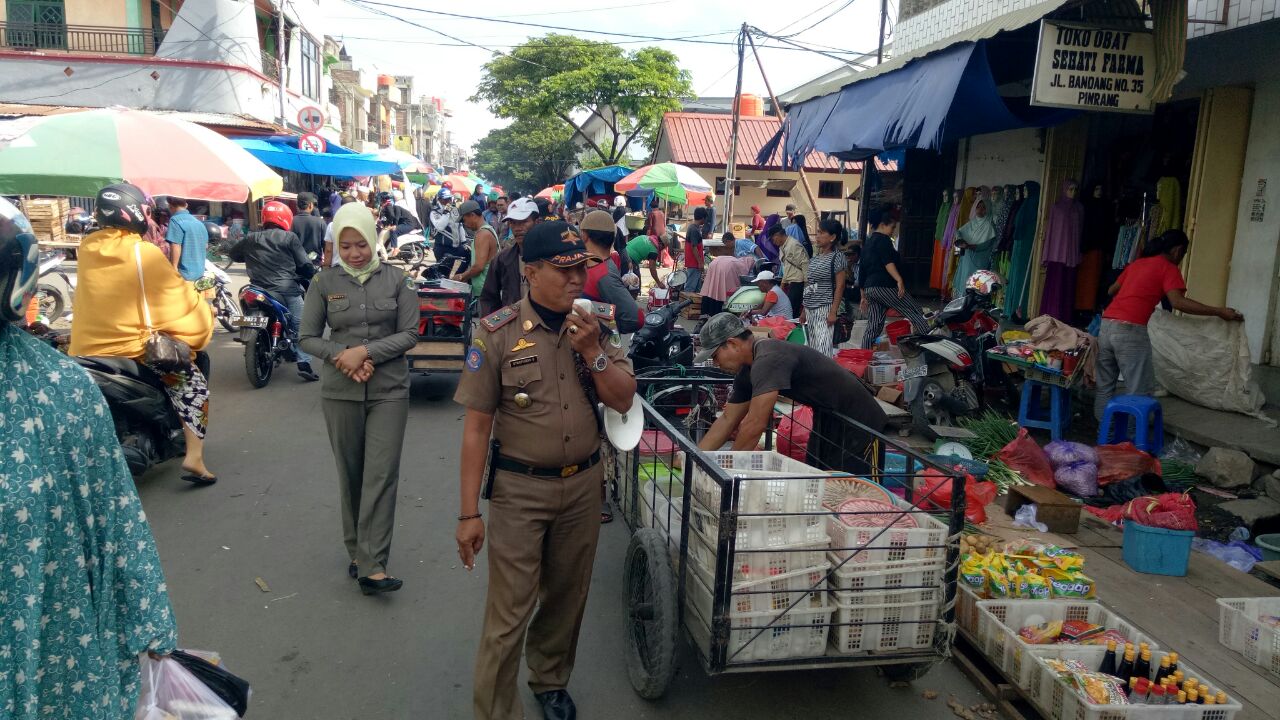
(600, 363)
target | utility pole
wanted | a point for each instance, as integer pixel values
(782, 116)
(731, 168)
(884, 19)
(284, 120)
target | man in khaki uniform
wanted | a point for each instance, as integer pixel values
(533, 374)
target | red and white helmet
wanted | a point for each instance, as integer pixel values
(984, 282)
(278, 214)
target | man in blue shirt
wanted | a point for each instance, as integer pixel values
(187, 241)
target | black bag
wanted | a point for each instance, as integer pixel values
(162, 352)
(233, 690)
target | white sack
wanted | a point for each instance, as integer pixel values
(1205, 360)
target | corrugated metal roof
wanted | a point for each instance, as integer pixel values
(702, 140)
(841, 77)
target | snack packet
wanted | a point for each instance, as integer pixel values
(1079, 632)
(1072, 585)
(1045, 634)
(1037, 587)
(973, 575)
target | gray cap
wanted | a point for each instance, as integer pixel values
(721, 328)
(468, 207)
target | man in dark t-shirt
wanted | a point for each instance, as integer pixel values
(765, 369)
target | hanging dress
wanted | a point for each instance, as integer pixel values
(1023, 239)
(939, 231)
(1061, 255)
(962, 217)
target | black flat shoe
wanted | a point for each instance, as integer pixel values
(385, 585)
(557, 705)
(353, 571)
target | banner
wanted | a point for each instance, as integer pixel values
(1093, 68)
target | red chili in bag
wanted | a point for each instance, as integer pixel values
(1024, 455)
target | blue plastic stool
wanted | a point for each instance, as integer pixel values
(1147, 416)
(1031, 416)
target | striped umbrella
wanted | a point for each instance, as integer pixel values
(672, 182)
(81, 152)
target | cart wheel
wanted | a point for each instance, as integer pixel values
(650, 614)
(907, 672)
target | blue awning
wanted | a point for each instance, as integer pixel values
(281, 151)
(593, 182)
(930, 101)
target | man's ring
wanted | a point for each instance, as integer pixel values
(573, 329)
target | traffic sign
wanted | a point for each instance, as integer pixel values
(312, 143)
(310, 119)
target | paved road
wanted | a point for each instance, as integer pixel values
(314, 647)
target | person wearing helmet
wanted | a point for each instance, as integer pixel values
(81, 562)
(278, 263)
(450, 235)
(395, 216)
(882, 284)
(108, 309)
(188, 240)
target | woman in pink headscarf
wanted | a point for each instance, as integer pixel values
(1062, 254)
(757, 222)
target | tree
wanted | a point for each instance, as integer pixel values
(567, 78)
(527, 154)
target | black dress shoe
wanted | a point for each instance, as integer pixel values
(353, 571)
(385, 585)
(557, 705)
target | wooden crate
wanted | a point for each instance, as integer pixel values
(48, 217)
(1059, 512)
(695, 305)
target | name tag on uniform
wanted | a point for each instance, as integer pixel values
(336, 296)
(523, 361)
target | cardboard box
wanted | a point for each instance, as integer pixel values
(1059, 512)
(885, 373)
(890, 394)
(761, 333)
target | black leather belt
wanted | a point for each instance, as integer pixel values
(503, 463)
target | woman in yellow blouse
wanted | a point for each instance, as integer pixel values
(108, 317)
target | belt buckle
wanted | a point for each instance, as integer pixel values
(568, 470)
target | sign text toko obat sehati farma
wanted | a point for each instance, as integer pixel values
(1093, 68)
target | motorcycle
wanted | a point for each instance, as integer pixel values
(225, 307)
(147, 425)
(54, 298)
(411, 247)
(264, 330)
(948, 373)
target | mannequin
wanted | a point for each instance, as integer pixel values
(939, 232)
(1061, 254)
(948, 240)
(1097, 243)
(1024, 237)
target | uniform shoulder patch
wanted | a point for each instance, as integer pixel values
(603, 310)
(500, 318)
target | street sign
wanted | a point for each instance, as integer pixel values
(1093, 68)
(310, 119)
(312, 143)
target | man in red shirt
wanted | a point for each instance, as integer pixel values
(1124, 347)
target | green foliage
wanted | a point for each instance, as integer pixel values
(564, 77)
(527, 155)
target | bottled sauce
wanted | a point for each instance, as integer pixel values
(1108, 665)
(1182, 698)
(1190, 684)
(1125, 670)
(1142, 668)
(1221, 698)
(1177, 676)
(1193, 697)
(1209, 699)
(1157, 695)
(1139, 694)
(1165, 668)
(1173, 661)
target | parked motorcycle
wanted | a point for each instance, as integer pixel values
(264, 329)
(54, 297)
(225, 307)
(147, 425)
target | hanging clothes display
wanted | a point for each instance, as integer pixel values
(1099, 229)
(1126, 243)
(1061, 255)
(1002, 210)
(1169, 198)
(1006, 232)
(949, 270)
(979, 236)
(1024, 237)
(939, 232)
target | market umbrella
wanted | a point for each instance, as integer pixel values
(460, 184)
(550, 193)
(672, 182)
(79, 153)
(408, 163)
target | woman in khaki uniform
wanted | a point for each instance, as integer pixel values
(372, 313)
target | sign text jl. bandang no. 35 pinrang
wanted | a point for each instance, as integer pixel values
(1093, 68)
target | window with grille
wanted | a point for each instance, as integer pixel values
(737, 189)
(36, 24)
(830, 189)
(770, 192)
(310, 70)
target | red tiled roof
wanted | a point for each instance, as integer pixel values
(702, 140)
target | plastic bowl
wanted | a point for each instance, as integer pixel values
(1270, 544)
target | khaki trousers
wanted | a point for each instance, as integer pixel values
(367, 436)
(542, 537)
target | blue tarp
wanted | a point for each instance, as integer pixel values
(281, 151)
(593, 182)
(940, 98)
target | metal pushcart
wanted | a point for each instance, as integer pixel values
(733, 550)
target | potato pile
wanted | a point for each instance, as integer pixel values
(979, 544)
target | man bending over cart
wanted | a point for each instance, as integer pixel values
(763, 369)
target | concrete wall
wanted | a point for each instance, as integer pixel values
(749, 196)
(1004, 158)
(1238, 14)
(99, 12)
(1253, 279)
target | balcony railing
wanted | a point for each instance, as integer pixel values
(85, 38)
(270, 66)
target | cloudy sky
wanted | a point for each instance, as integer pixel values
(442, 69)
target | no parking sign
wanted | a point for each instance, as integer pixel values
(312, 143)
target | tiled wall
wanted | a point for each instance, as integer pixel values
(953, 16)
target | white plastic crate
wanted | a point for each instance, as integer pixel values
(876, 545)
(771, 484)
(1240, 630)
(747, 566)
(1000, 620)
(1057, 700)
(777, 593)
(795, 634)
(766, 532)
(908, 581)
(967, 611)
(881, 628)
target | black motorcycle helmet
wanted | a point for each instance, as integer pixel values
(124, 206)
(19, 263)
(159, 204)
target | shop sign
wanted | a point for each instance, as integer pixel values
(1093, 68)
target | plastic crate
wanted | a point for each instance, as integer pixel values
(1156, 551)
(926, 541)
(1000, 620)
(910, 581)
(881, 628)
(748, 566)
(766, 532)
(776, 593)
(772, 486)
(967, 610)
(1057, 700)
(1240, 630)
(795, 634)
